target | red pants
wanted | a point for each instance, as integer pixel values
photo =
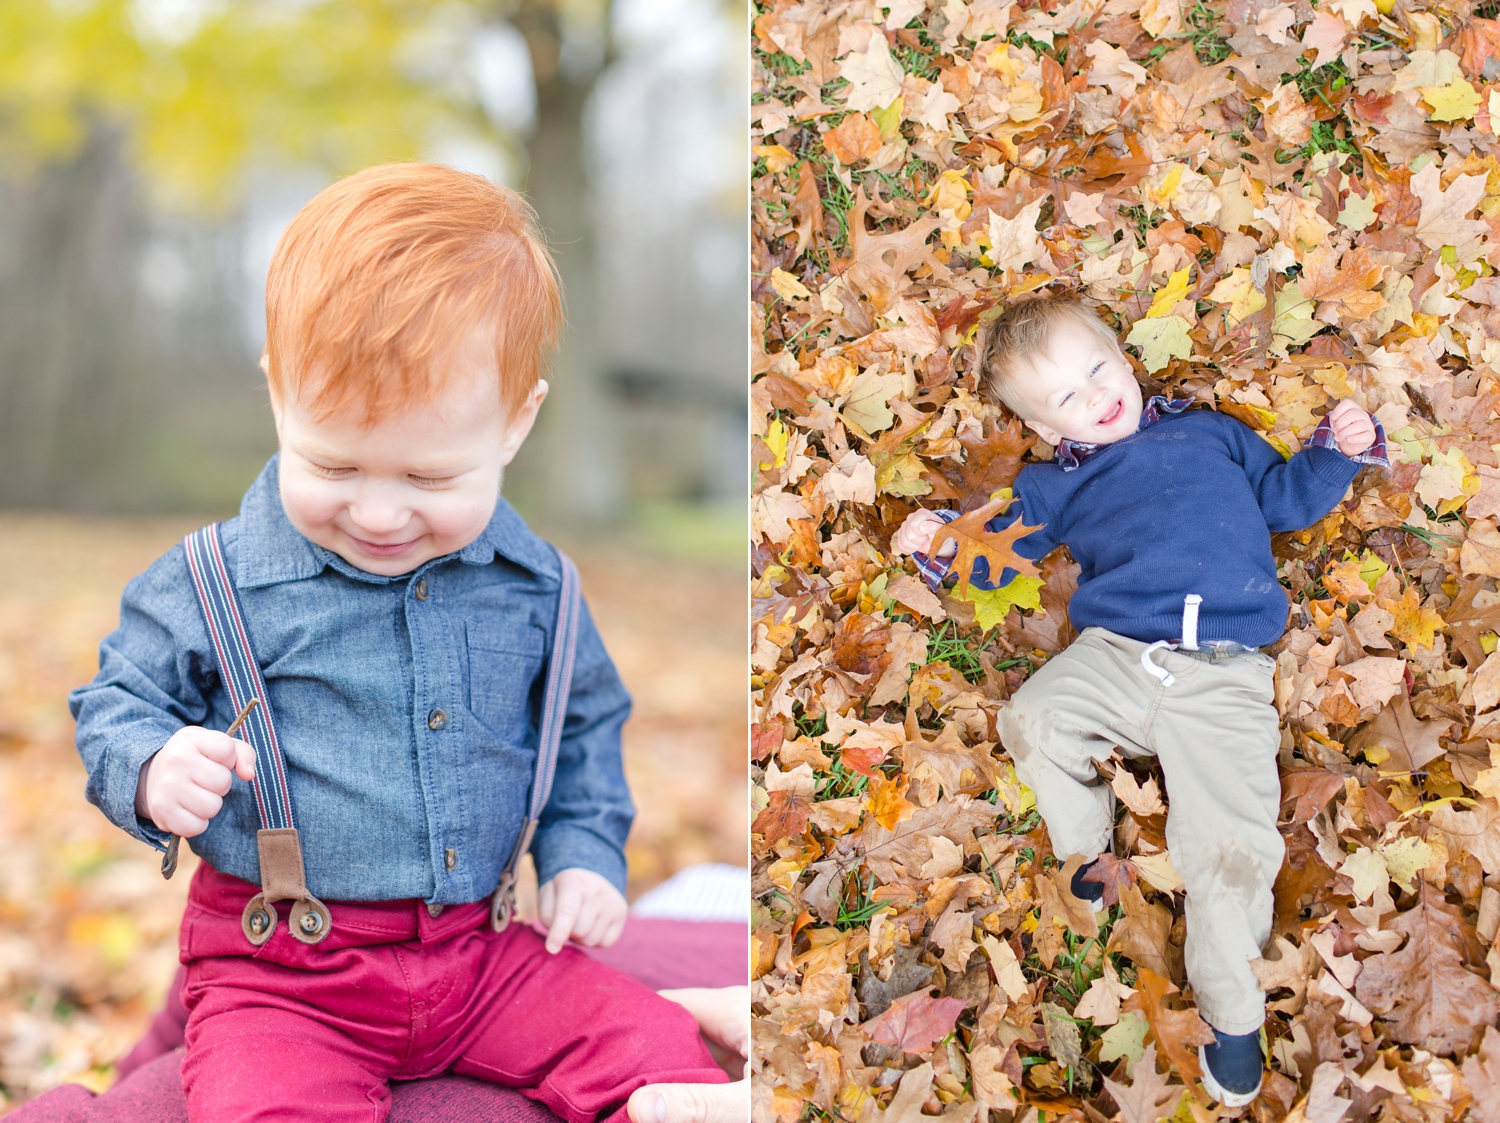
(289, 1031)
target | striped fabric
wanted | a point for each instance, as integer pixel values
(241, 673)
(559, 680)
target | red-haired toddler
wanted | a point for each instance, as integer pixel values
(414, 641)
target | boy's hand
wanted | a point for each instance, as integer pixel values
(917, 532)
(581, 905)
(1352, 427)
(182, 786)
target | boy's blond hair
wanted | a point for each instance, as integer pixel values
(1024, 330)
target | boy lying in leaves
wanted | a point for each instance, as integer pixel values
(1169, 512)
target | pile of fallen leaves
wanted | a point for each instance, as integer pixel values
(1277, 205)
(88, 928)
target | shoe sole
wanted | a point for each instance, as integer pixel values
(1219, 1093)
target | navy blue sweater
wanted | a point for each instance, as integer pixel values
(1185, 505)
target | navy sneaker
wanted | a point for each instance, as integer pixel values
(1090, 891)
(1232, 1067)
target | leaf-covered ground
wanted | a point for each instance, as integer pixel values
(1278, 205)
(88, 928)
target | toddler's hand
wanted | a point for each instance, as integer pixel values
(1352, 427)
(182, 786)
(581, 905)
(917, 532)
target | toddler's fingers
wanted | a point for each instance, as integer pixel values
(217, 747)
(210, 776)
(177, 820)
(200, 803)
(568, 905)
(688, 1103)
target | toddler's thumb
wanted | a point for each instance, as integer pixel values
(689, 1103)
(244, 760)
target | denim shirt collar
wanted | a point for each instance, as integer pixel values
(272, 551)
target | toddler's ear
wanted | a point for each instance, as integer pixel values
(1051, 436)
(265, 363)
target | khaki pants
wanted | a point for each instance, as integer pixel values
(1215, 731)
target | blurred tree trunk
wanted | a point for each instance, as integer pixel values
(570, 470)
(66, 327)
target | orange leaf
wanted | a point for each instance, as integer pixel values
(974, 542)
(888, 801)
(1178, 1032)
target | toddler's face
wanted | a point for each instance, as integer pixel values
(1081, 388)
(413, 487)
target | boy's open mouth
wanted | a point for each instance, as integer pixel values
(1113, 415)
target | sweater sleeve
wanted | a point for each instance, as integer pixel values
(155, 675)
(1292, 493)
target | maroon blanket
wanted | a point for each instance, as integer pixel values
(660, 953)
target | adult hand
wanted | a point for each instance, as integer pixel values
(583, 906)
(1353, 428)
(183, 784)
(917, 532)
(723, 1015)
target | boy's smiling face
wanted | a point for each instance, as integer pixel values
(414, 486)
(1080, 388)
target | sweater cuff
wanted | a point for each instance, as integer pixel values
(565, 846)
(113, 786)
(1332, 466)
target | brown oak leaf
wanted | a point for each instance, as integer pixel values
(1423, 990)
(1150, 1096)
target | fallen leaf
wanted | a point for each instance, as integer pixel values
(915, 1022)
(1149, 1097)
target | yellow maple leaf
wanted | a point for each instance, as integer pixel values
(992, 606)
(1414, 624)
(1457, 101)
(778, 157)
(787, 286)
(1166, 297)
(887, 801)
(1239, 292)
(1346, 580)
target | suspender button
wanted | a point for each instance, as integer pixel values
(450, 859)
(421, 589)
(437, 720)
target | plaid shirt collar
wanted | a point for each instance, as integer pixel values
(1072, 454)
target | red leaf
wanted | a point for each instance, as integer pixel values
(786, 815)
(863, 758)
(915, 1022)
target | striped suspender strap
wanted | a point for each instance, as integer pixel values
(554, 713)
(240, 672)
(283, 876)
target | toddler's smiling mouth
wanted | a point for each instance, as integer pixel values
(383, 549)
(1113, 415)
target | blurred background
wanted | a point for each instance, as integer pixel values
(151, 153)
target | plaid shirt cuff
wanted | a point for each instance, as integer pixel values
(933, 570)
(1322, 437)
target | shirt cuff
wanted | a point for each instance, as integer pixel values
(933, 570)
(565, 846)
(120, 776)
(1322, 437)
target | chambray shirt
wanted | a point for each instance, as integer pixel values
(392, 801)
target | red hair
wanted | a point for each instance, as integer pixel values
(388, 273)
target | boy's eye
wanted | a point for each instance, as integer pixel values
(332, 473)
(1065, 398)
(1097, 368)
(430, 481)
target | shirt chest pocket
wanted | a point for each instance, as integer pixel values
(504, 661)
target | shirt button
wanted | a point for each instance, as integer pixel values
(421, 589)
(450, 859)
(437, 720)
